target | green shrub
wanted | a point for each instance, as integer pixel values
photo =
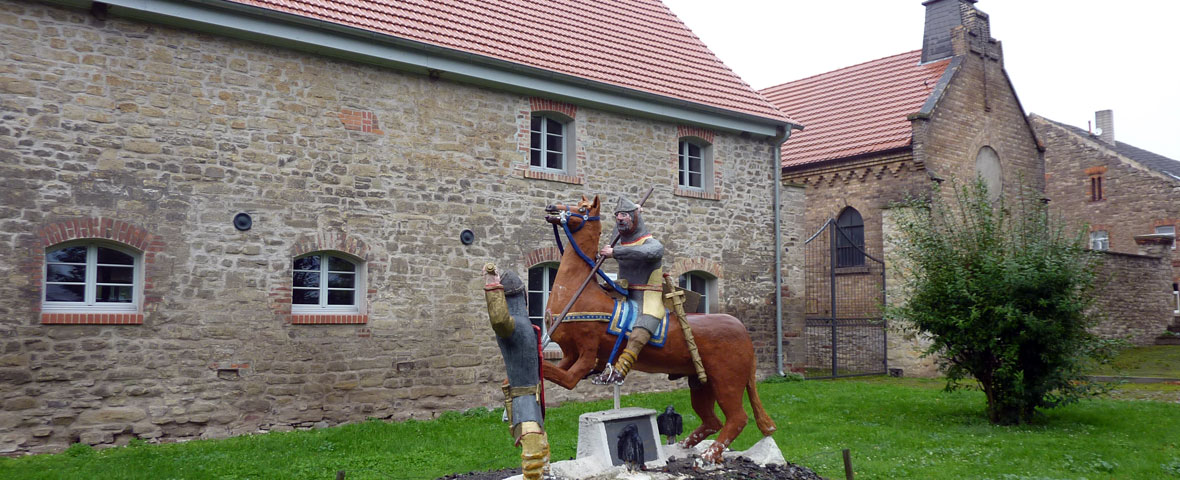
(1003, 292)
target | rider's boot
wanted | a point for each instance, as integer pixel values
(534, 455)
(616, 373)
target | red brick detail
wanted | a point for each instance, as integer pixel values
(325, 319)
(542, 255)
(546, 105)
(1099, 170)
(685, 192)
(360, 120)
(1100, 226)
(339, 242)
(701, 133)
(92, 319)
(695, 265)
(100, 228)
(553, 177)
(1165, 222)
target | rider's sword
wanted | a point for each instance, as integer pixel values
(599, 259)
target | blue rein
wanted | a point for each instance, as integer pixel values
(570, 235)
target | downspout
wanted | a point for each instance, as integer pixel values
(777, 163)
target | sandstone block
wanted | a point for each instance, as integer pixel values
(111, 415)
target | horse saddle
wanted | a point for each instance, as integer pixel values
(623, 318)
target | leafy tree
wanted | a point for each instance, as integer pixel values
(1004, 296)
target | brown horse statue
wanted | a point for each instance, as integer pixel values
(722, 341)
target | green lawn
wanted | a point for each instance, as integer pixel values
(1155, 361)
(895, 428)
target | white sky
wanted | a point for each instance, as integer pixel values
(1066, 58)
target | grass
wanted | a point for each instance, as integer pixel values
(1154, 361)
(895, 428)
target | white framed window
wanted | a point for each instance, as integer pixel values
(703, 284)
(695, 170)
(92, 277)
(1099, 240)
(550, 143)
(1168, 230)
(326, 282)
(541, 278)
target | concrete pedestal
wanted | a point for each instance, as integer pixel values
(598, 435)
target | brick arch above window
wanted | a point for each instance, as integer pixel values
(541, 255)
(98, 229)
(684, 265)
(332, 243)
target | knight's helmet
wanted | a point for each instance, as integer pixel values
(514, 288)
(626, 205)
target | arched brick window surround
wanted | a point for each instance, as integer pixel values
(686, 265)
(336, 242)
(101, 228)
(704, 137)
(577, 155)
(541, 255)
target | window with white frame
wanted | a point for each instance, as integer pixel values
(1168, 230)
(541, 279)
(326, 282)
(695, 164)
(92, 277)
(551, 143)
(1099, 240)
(703, 284)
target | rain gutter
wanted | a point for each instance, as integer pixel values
(777, 164)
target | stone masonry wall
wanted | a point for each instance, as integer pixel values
(1133, 297)
(1135, 198)
(174, 132)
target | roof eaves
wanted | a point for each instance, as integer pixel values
(342, 41)
(827, 162)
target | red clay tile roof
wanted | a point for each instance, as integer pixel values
(637, 44)
(855, 110)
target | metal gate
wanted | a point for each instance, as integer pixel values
(845, 325)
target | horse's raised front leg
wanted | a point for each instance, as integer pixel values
(568, 378)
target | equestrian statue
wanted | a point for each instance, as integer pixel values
(713, 350)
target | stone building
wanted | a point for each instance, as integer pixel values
(222, 217)
(880, 132)
(1127, 198)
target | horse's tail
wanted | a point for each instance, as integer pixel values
(765, 424)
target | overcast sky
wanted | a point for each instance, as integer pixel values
(1066, 58)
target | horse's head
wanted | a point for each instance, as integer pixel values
(576, 216)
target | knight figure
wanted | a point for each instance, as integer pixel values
(518, 340)
(640, 258)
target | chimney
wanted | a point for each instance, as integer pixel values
(1104, 120)
(941, 17)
